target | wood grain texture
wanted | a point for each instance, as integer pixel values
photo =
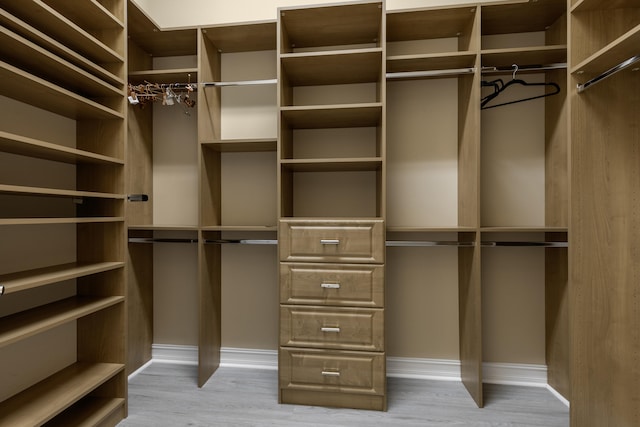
(432, 23)
(237, 396)
(244, 37)
(210, 309)
(333, 67)
(605, 253)
(521, 17)
(139, 167)
(139, 304)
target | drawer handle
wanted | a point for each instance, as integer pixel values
(330, 285)
(330, 241)
(331, 373)
(328, 329)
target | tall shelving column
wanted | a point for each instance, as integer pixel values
(232, 212)
(331, 178)
(604, 222)
(67, 59)
(525, 208)
(424, 45)
(154, 57)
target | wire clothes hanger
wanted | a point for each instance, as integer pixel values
(499, 87)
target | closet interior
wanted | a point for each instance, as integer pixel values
(62, 278)
(348, 187)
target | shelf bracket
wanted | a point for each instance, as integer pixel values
(626, 64)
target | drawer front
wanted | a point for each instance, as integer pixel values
(330, 371)
(348, 241)
(332, 284)
(335, 327)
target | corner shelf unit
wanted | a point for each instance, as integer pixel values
(67, 58)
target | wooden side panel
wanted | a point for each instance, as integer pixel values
(470, 312)
(604, 253)
(557, 321)
(209, 98)
(210, 334)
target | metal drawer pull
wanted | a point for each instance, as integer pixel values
(330, 285)
(328, 329)
(330, 241)
(331, 373)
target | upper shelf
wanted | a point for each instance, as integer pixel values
(521, 17)
(331, 25)
(175, 75)
(524, 56)
(54, 192)
(55, 47)
(431, 61)
(247, 37)
(333, 116)
(63, 29)
(335, 67)
(25, 146)
(333, 165)
(616, 52)
(241, 145)
(430, 23)
(87, 13)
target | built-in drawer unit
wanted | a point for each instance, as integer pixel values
(344, 241)
(332, 327)
(344, 371)
(354, 285)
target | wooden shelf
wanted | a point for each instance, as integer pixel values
(64, 30)
(524, 56)
(46, 221)
(241, 145)
(332, 116)
(621, 49)
(334, 67)
(29, 56)
(151, 227)
(28, 323)
(332, 165)
(428, 62)
(33, 90)
(245, 228)
(45, 400)
(23, 280)
(332, 25)
(521, 17)
(25, 146)
(90, 411)
(429, 23)
(247, 37)
(177, 75)
(445, 229)
(89, 14)
(55, 47)
(587, 5)
(36, 191)
(541, 229)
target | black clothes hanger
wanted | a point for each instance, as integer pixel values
(497, 85)
(498, 89)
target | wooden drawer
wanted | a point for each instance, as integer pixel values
(348, 241)
(354, 285)
(335, 327)
(331, 371)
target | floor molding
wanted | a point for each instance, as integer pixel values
(558, 396)
(399, 367)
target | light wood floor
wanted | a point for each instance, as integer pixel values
(167, 395)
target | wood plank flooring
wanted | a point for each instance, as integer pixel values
(167, 395)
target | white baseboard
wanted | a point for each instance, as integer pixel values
(560, 397)
(398, 367)
(514, 374)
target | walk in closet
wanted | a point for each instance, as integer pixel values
(342, 191)
(62, 275)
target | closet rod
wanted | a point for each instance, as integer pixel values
(428, 243)
(527, 244)
(241, 83)
(608, 73)
(241, 241)
(160, 240)
(555, 66)
(430, 73)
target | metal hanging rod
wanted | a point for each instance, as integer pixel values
(629, 62)
(555, 66)
(241, 241)
(527, 244)
(430, 73)
(241, 83)
(413, 243)
(160, 240)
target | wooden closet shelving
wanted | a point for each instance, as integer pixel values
(71, 66)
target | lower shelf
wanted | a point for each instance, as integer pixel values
(91, 411)
(51, 396)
